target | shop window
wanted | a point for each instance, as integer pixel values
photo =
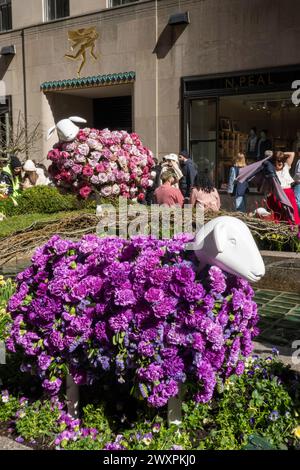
(251, 113)
(117, 3)
(203, 134)
(56, 9)
(5, 15)
(252, 124)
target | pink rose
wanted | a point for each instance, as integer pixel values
(144, 183)
(54, 154)
(96, 156)
(84, 149)
(85, 191)
(77, 169)
(116, 189)
(106, 191)
(100, 168)
(92, 143)
(82, 136)
(87, 170)
(79, 158)
(94, 179)
(64, 155)
(102, 177)
(66, 176)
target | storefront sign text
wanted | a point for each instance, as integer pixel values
(248, 81)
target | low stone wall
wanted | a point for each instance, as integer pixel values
(253, 199)
(282, 271)
(15, 266)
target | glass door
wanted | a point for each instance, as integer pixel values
(202, 132)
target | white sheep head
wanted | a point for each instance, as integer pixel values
(227, 242)
(66, 129)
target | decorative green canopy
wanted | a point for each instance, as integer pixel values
(86, 82)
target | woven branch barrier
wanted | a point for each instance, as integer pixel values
(24, 242)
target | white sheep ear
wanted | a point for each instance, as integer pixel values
(77, 119)
(220, 235)
(50, 132)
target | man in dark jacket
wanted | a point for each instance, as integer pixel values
(189, 171)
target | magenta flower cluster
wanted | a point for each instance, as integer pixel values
(71, 429)
(68, 428)
(134, 308)
(114, 163)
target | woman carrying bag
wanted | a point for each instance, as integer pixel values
(235, 188)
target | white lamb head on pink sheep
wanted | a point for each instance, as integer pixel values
(227, 242)
(66, 129)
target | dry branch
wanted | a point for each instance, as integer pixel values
(25, 241)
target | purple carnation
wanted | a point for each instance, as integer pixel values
(124, 297)
(52, 386)
(44, 361)
(217, 280)
(100, 331)
(146, 349)
(151, 373)
(154, 295)
(162, 393)
(119, 323)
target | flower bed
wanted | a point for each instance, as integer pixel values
(260, 405)
(113, 163)
(135, 309)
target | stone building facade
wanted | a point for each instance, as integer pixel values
(172, 79)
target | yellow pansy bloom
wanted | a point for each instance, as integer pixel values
(297, 432)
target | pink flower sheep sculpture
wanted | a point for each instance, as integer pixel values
(112, 163)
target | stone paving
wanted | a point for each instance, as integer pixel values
(279, 317)
(9, 444)
(279, 325)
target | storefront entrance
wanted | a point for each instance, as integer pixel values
(105, 101)
(113, 113)
(220, 111)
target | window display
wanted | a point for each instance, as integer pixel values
(253, 124)
(227, 114)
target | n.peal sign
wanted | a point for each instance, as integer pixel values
(249, 81)
(255, 81)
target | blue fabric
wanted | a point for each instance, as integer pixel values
(235, 187)
(240, 203)
(297, 194)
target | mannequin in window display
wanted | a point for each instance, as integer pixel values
(263, 145)
(252, 144)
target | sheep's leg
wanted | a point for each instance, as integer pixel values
(175, 409)
(72, 392)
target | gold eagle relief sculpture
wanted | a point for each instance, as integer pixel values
(82, 40)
